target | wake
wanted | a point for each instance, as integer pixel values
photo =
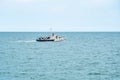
(26, 41)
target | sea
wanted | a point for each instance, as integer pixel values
(81, 56)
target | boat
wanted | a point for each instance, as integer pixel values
(52, 37)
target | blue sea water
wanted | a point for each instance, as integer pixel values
(82, 56)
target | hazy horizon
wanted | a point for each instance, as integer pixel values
(60, 15)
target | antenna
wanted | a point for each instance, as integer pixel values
(51, 29)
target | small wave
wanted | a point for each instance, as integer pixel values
(95, 73)
(25, 41)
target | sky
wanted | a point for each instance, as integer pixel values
(59, 15)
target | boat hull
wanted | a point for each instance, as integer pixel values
(44, 40)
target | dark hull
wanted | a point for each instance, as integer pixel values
(43, 40)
